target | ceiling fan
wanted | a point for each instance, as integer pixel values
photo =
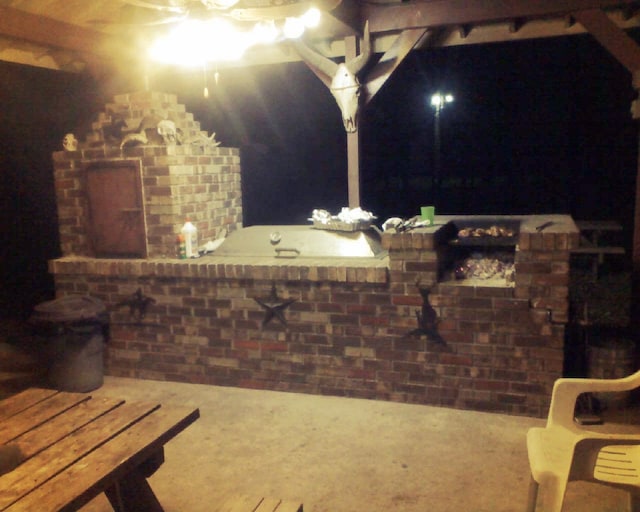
(202, 31)
(240, 10)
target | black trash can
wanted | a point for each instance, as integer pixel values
(75, 328)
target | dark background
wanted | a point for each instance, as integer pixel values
(540, 126)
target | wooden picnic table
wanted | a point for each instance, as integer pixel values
(76, 447)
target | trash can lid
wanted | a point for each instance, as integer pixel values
(70, 308)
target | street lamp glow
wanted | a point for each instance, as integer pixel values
(438, 100)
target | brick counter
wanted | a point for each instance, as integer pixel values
(348, 331)
(391, 328)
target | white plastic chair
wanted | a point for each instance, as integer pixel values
(564, 451)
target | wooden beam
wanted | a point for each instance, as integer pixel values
(609, 35)
(353, 139)
(427, 14)
(53, 33)
(342, 21)
(515, 25)
(353, 168)
(464, 30)
(569, 21)
(388, 63)
(629, 12)
(634, 313)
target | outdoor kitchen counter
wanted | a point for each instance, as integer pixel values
(552, 223)
(535, 232)
(358, 327)
(352, 270)
(542, 232)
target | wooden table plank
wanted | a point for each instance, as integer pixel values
(289, 506)
(268, 505)
(100, 469)
(240, 504)
(38, 414)
(50, 462)
(57, 428)
(23, 400)
(252, 504)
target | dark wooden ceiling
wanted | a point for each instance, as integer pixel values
(73, 34)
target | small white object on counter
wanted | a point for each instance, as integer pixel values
(212, 245)
(347, 215)
(190, 233)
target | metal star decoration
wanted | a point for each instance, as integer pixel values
(427, 319)
(138, 304)
(274, 307)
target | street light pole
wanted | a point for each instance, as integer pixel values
(438, 101)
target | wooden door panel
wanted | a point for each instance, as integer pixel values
(117, 226)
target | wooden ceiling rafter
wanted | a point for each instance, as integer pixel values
(345, 20)
(629, 12)
(48, 32)
(611, 37)
(27, 53)
(454, 21)
(426, 14)
(391, 59)
(464, 30)
(569, 21)
(59, 45)
(516, 24)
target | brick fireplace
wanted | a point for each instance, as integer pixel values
(392, 328)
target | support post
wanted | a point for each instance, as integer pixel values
(353, 168)
(634, 313)
(435, 177)
(353, 140)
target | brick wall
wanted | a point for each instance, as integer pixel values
(348, 331)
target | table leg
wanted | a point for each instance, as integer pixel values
(151, 465)
(133, 494)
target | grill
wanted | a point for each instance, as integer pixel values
(487, 240)
(302, 242)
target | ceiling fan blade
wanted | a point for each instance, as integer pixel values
(152, 5)
(219, 4)
(163, 21)
(271, 12)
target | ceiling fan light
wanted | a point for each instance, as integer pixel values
(311, 18)
(193, 43)
(265, 32)
(219, 4)
(223, 41)
(293, 28)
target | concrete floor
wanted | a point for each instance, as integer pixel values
(342, 455)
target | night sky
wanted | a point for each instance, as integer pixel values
(540, 126)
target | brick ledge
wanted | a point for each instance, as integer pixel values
(344, 270)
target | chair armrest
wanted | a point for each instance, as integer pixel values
(566, 391)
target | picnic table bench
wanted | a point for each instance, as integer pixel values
(591, 240)
(75, 447)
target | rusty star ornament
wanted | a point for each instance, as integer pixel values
(274, 307)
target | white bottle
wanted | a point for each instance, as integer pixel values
(190, 233)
